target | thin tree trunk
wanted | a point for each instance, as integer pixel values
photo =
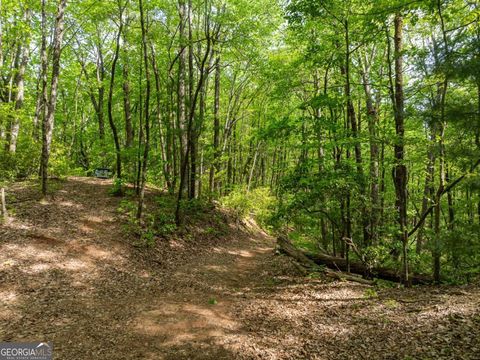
(42, 108)
(163, 138)
(146, 114)
(3, 213)
(250, 177)
(427, 192)
(192, 134)
(441, 158)
(352, 122)
(477, 135)
(451, 211)
(171, 138)
(182, 133)
(138, 178)
(101, 93)
(373, 118)
(214, 169)
(126, 100)
(184, 164)
(111, 121)
(20, 88)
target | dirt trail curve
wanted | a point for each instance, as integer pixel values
(70, 275)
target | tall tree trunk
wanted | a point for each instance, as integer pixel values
(400, 170)
(146, 114)
(442, 91)
(12, 92)
(41, 109)
(166, 168)
(101, 93)
(428, 191)
(200, 83)
(19, 86)
(172, 155)
(477, 135)
(192, 134)
(111, 121)
(181, 115)
(138, 178)
(320, 146)
(352, 123)
(373, 118)
(214, 169)
(438, 205)
(126, 99)
(48, 123)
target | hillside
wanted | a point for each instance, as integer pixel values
(70, 273)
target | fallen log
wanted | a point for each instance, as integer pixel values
(356, 267)
(287, 248)
(344, 276)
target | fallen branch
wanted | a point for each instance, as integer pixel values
(287, 248)
(344, 276)
(356, 267)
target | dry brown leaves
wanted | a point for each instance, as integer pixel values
(70, 274)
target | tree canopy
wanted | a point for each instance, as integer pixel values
(353, 126)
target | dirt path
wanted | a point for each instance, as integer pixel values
(69, 274)
(196, 319)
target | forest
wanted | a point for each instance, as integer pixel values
(334, 142)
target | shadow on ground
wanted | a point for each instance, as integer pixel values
(71, 274)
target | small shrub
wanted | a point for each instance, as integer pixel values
(385, 284)
(164, 223)
(212, 301)
(212, 231)
(258, 202)
(370, 293)
(391, 304)
(118, 187)
(148, 237)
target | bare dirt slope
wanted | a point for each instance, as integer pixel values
(69, 274)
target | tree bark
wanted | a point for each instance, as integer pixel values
(400, 170)
(200, 83)
(372, 118)
(146, 114)
(111, 121)
(101, 93)
(214, 169)
(20, 87)
(48, 123)
(3, 205)
(126, 100)
(166, 168)
(181, 115)
(352, 123)
(428, 192)
(442, 90)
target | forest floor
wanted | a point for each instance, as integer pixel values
(70, 274)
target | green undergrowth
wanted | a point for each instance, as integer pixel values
(258, 203)
(201, 219)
